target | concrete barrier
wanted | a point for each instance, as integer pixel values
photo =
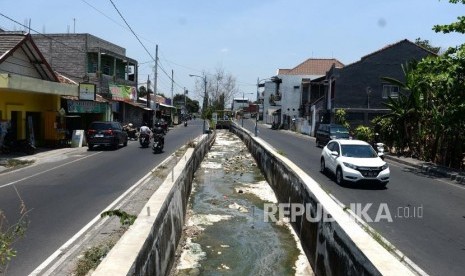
(149, 245)
(338, 246)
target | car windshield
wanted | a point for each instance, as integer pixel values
(358, 151)
(339, 130)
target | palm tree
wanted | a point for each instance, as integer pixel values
(406, 109)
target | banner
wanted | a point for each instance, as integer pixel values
(123, 92)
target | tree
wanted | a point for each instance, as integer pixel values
(458, 26)
(191, 105)
(221, 87)
(426, 44)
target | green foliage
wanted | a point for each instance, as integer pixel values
(341, 118)
(427, 45)
(125, 218)
(458, 26)
(192, 105)
(364, 133)
(92, 258)
(9, 234)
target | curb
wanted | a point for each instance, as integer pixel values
(458, 177)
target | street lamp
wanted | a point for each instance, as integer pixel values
(205, 99)
(243, 97)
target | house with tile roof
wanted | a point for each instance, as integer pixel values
(30, 91)
(286, 94)
(358, 88)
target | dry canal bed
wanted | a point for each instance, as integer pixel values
(226, 232)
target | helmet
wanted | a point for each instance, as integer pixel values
(130, 124)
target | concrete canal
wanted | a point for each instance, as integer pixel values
(225, 232)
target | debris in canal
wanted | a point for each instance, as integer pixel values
(225, 228)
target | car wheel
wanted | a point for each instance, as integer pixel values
(125, 142)
(90, 146)
(317, 143)
(339, 177)
(322, 165)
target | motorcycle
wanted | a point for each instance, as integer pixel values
(11, 146)
(185, 123)
(144, 140)
(158, 143)
(379, 147)
(132, 132)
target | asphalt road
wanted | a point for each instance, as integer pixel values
(65, 193)
(428, 213)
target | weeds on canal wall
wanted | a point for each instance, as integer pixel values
(9, 234)
(125, 218)
(92, 258)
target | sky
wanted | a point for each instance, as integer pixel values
(248, 39)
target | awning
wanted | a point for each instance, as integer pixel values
(273, 111)
(140, 105)
(167, 105)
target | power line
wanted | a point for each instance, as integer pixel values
(122, 17)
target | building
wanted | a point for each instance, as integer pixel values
(30, 92)
(287, 94)
(87, 59)
(358, 88)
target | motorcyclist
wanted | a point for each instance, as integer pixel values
(144, 129)
(159, 133)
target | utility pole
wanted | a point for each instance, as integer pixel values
(155, 80)
(149, 120)
(172, 96)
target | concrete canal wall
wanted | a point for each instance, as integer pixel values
(149, 246)
(336, 246)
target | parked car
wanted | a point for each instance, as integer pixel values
(353, 161)
(106, 134)
(327, 132)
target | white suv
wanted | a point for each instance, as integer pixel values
(353, 160)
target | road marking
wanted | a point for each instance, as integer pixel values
(400, 166)
(62, 250)
(42, 172)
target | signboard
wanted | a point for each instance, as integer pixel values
(87, 91)
(123, 92)
(85, 107)
(77, 138)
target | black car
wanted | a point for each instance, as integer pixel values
(106, 134)
(327, 132)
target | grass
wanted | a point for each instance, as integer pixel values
(92, 258)
(16, 162)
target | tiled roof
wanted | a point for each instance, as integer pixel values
(313, 66)
(9, 41)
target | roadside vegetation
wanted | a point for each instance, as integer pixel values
(10, 233)
(427, 118)
(93, 256)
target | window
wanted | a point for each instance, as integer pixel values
(390, 91)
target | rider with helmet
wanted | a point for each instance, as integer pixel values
(159, 132)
